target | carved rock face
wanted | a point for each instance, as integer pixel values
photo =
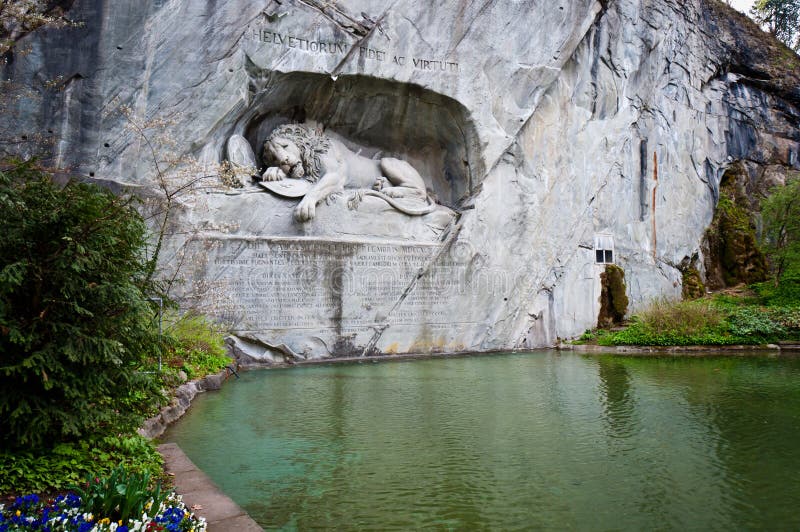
(541, 139)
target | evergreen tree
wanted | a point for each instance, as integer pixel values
(75, 321)
(781, 18)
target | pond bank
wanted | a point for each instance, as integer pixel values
(687, 350)
(202, 496)
(181, 400)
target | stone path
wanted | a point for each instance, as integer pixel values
(221, 513)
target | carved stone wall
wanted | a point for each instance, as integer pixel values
(536, 125)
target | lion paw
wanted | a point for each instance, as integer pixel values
(305, 211)
(273, 173)
(380, 183)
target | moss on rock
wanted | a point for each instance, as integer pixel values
(733, 255)
(693, 287)
(613, 297)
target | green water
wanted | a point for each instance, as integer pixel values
(503, 442)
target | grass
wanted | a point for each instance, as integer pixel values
(730, 318)
(197, 345)
(684, 318)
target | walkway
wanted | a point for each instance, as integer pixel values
(221, 513)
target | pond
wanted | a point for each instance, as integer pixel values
(518, 441)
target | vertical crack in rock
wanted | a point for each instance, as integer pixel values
(452, 233)
(601, 7)
(643, 152)
(359, 42)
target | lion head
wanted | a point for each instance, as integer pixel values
(296, 148)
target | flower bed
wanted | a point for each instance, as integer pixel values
(68, 513)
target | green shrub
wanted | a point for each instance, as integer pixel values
(725, 320)
(756, 324)
(789, 319)
(197, 344)
(786, 293)
(780, 211)
(75, 322)
(666, 323)
(592, 336)
(637, 335)
(68, 463)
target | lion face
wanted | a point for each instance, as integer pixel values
(285, 154)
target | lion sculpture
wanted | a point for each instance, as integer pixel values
(295, 151)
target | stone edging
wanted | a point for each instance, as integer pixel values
(688, 350)
(201, 495)
(155, 426)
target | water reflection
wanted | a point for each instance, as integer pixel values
(617, 399)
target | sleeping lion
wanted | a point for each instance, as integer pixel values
(295, 151)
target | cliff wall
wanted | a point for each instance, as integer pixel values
(547, 131)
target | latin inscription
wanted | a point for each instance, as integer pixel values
(277, 284)
(299, 43)
(340, 48)
(382, 56)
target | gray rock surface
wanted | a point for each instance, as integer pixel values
(240, 153)
(541, 124)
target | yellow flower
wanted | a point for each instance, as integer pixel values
(104, 521)
(119, 522)
(18, 513)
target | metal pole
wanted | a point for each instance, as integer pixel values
(160, 325)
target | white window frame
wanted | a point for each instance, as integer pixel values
(604, 252)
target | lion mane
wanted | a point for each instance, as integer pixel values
(312, 144)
